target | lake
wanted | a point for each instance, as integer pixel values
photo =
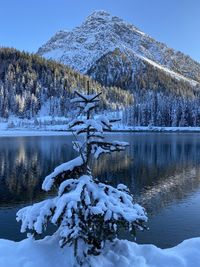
(162, 170)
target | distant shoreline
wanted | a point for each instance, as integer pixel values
(154, 129)
(62, 132)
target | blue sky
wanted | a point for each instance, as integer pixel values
(27, 24)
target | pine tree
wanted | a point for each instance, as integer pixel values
(86, 211)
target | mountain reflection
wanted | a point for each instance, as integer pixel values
(158, 168)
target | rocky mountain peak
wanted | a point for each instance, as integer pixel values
(101, 33)
(99, 14)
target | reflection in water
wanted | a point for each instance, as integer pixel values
(158, 169)
(24, 162)
(161, 170)
(175, 188)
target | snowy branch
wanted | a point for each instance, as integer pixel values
(82, 201)
(69, 169)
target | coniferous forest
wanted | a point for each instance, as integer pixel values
(31, 85)
(153, 108)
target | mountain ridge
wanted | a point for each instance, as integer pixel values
(102, 33)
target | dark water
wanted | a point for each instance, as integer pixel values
(162, 170)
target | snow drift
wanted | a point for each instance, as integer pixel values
(47, 253)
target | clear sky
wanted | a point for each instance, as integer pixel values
(27, 24)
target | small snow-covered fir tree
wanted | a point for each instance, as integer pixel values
(86, 211)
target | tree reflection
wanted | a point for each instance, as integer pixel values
(24, 162)
(158, 168)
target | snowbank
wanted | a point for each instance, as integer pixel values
(125, 128)
(57, 131)
(30, 253)
(122, 253)
(47, 125)
(19, 127)
(44, 123)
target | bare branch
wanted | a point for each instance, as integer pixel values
(96, 97)
(80, 95)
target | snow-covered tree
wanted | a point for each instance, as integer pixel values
(86, 211)
(161, 109)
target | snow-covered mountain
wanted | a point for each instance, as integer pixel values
(115, 53)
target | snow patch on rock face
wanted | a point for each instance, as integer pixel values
(170, 72)
(102, 33)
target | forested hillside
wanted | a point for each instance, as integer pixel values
(153, 108)
(31, 85)
(116, 69)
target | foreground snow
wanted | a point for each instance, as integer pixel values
(46, 253)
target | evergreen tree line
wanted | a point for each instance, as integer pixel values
(29, 84)
(153, 108)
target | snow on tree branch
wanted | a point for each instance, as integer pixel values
(68, 167)
(87, 199)
(85, 210)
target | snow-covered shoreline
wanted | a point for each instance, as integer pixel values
(47, 253)
(24, 133)
(122, 128)
(52, 126)
(62, 132)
